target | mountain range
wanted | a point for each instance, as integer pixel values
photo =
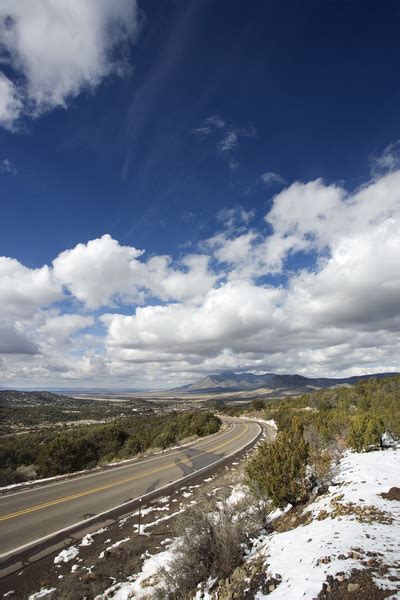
(229, 381)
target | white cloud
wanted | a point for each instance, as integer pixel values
(57, 329)
(338, 313)
(165, 282)
(231, 312)
(59, 48)
(104, 273)
(10, 103)
(23, 290)
(99, 271)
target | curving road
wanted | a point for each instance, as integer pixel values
(32, 515)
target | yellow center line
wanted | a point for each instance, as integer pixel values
(114, 483)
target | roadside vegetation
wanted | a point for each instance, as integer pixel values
(49, 453)
(314, 429)
(313, 432)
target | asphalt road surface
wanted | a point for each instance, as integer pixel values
(32, 514)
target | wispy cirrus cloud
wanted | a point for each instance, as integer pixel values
(270, 178)
(225, 137)
(8, 167)
(387, 161)
(232, 137)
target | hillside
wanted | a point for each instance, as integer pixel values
(275, 383)
(31, 397)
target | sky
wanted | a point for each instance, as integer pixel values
(189, 187)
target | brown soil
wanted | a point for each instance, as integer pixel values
(366, 590)
(392, 494)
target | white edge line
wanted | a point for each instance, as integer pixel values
(126, 504)
(69, 477)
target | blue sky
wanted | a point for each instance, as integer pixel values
(197, 164)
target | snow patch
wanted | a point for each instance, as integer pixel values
(143, 584)
(66, 555)
(42, 593)
(351, 523)
(115, 545)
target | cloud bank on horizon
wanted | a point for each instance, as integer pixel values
(312, 286)
(105, 312)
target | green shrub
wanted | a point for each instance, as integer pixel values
(54, 453)
(278, 469)
(365, 432)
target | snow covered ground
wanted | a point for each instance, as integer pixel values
(142, 584)
(351, 527)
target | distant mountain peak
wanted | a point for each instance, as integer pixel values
(226, 381)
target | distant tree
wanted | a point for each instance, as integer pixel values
(258, 404)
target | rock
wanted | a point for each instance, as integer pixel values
(340, 578)
(353, 587)
(271, 588)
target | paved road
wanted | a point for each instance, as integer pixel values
(30, 515)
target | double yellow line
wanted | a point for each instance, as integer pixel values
(107, 486)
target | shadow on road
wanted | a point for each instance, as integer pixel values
(152, 486)
(198, 460)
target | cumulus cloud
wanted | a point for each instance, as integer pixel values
(58, 328)
(15, 342)
(231, 312)
(58, 48)
(10, 103)
(98, 271)
(243, 302)
(103, 273)
(23, 290)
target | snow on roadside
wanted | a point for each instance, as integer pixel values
(270, 422)
(115, 545)
(88, 540)
(352, 527)
(238, 493)
(66, 555)
(144, 583)
(145, 526)
(42, 593)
